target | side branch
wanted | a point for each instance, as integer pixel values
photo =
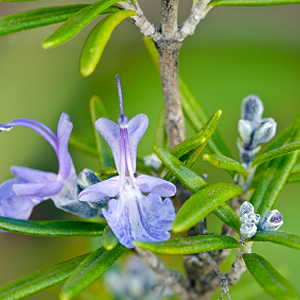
(199, 11)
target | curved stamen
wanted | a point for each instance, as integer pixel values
(120, 96)
(38, 127)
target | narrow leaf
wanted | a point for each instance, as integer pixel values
(77, 22)
(268, 278)
(106, 172)
(188, 178)
(226, 163)
(207, 130)
(83, 143)
(109, 240)
(193, 110)
(37, 18)
(52, 228)
(188, 144)
(254, 2)
(97, 40)
(89, 270)
(276, 175)
(278, 237)
(202, 203)
(191, 245)
(40, 280)
(97, 110)
(294, 178)
(228, 216)
(276, 153)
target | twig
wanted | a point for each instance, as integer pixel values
(222, 279)
(175, 280)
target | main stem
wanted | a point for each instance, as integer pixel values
(168, 47)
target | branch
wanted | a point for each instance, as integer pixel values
(175, 280)
(140, 21)
(169, 11)
(199, 11)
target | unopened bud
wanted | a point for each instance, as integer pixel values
(250, 218)
(86, 178)
(252, 109)
(248, 230)
(152, 161)
(246, 130)
(246, 207)
(271, 221)
(265, 131)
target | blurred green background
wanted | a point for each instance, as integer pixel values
(233, 53)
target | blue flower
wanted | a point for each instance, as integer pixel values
(131, 215)
(18, 196)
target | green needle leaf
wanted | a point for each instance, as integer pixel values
(52, 228)
(37, 18)
(97, 110)
(109, 240)
(254, 2)
(83, 143)
(268, 278)
(187, 177)
(40, 280)
(94, 266)
(276, 153)
(77, 22)
(276, 174)
(97, 40)
(294, 178)
(202, 203)
(278, 237)
(228, 216)
(226, 163)
(191, 245)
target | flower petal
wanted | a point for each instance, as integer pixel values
(111, 133)
(13, 206)
(64, 129)
(135, 217)
(149, 184)
(107, 188)
(38, 190)
(136, 128)
(32, 175)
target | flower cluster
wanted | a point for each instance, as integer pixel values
(253, 129)
(19, 195)
(131, 215)
(251, 222)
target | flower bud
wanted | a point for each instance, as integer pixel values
(246, 207)
(265, 131)
(250, 217)
(252, 109)
(271, 221)
(248, 230)
(86, 178)
(246, 130)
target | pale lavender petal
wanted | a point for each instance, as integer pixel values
(108, 188)
(38, 190)
(136, 128)
(13, 206)
(111, 133)
(64, 130)
(38, 127)
(135, 217)
(32, 175)
(149, 184)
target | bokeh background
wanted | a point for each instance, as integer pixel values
(235, 51)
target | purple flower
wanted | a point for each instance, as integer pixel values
(131, 215)
(30, 187)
